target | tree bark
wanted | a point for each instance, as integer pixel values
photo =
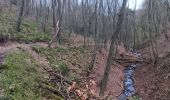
(55, 34)
(111, 54)
(19, 20)
(54, 15)
(95, 41)
(60, 20)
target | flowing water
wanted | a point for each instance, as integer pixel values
(129, 88)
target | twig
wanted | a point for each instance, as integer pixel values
(52, 89)
(59, 76)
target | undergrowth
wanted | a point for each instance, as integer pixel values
(50, 54)
(61, 59)
(19, 77)
(29, 30)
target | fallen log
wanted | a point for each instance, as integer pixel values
(125, 60)
(130, 60)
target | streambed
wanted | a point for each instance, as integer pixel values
(129, 85)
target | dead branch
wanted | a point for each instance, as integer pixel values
(59, 76)
(55, 35)
(52, 89)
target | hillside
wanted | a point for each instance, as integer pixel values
(152, 80)
(84, 50)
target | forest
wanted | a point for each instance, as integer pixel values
(84, 49)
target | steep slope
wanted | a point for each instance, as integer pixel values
(116, 76)
(153, 81)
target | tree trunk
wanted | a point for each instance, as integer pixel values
(95, 39)
(55, 34)
(60, 20)
(111, 54)
(19, 20)
(54, 15)
(153, 45)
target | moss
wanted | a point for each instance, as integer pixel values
(19, 78)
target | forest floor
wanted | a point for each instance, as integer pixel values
(116, 77)
(69, 58)
(10, 47)
(72, 60)
(153, 80)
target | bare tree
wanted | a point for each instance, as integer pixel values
(95, 40)
(111, 54)
(54, 15)
(55, 35)
(19, 20)
(59, 12)
(154, 50)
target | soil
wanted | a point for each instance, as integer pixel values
(153, 80)
(115, 81)
(153, 83)
(114, 87)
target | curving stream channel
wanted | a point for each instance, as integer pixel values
(129, 88)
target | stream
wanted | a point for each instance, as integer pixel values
(129, 88)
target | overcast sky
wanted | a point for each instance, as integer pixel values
(131, 4)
